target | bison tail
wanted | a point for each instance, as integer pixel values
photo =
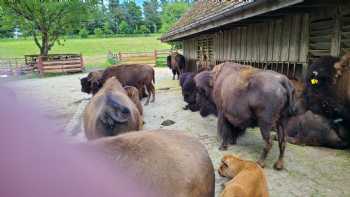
(154, 78)
(291, 101)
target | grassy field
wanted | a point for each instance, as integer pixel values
(94, 50)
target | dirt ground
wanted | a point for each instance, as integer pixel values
(310, 171)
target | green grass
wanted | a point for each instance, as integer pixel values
(94, 50)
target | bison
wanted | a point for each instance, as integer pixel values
(137, 75)
(204, 97)
(315, 130)
(188, 88)
(90, 84)
(326, 90)
(176, 62)
(169, 162)
(111, 111)
(248, 97)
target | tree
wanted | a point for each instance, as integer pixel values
(83, 33)
(124, 28)
(115, 15)
(47, 20)
(152, 15)
(171, 13)
(133, 15)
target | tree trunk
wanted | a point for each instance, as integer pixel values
(44, 49)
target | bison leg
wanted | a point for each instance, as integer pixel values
(178, 71)
(174, 73)
(282, 146)
(225, 132)
(265, 132)
(153, 92)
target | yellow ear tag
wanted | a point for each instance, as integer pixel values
(314, 81)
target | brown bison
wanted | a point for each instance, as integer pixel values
(111, 111)
(137, 75)
(327, 90)
(176, 62)
(90, 84)
(188, 88)
(165, 161)
(248, 97)
(315, 130)
(204, 97)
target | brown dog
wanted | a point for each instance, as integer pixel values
(111, 111)
(169, 162)
(248, 178)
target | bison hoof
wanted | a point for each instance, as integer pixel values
(261, 163)
(278, 165)
(223, 147)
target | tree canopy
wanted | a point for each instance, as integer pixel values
(46, 20)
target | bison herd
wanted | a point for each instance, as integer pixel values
(314, 113)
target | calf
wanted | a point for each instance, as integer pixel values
(111, 112)
(168, 162)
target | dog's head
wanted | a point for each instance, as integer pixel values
(230, 166)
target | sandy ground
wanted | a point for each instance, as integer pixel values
(310, 171)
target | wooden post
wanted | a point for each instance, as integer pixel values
(40, 65)
(155, 57)
(82, 62)
(120, 56)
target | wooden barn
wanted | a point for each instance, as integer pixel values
(282, 35)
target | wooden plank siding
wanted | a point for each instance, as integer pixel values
(286, 44)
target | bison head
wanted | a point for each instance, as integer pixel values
(85, 85)
(114, 113)
(92, 83)
(204, 97)
(320, 74)
(189, 91)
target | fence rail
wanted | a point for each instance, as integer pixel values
(144, 57)
(14, 66)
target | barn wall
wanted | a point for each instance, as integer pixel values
(286, 44)
(274, 44)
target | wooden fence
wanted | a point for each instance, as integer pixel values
(14, 66)
(149, 58)
(59, 63)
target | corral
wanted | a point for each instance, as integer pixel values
(310, 171)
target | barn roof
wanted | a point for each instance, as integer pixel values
(209, 14)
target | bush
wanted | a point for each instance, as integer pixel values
(124, 27)
(143, 30)
(98, 32)
(83, 33)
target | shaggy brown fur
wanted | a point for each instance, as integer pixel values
(248, 178)
(204, 96)
(325, 96)
(111, 112)
(314, 130)
(137, 75)
(133, 94)
(169, 162)
(342, 65)
(90, 83)
(248, 97)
